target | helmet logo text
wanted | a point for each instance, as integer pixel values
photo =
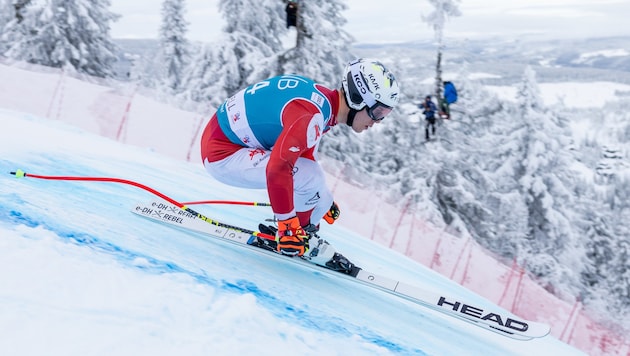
(359, 83)
(374, 82)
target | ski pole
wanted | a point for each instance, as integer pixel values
(21, 174)
(250, 203)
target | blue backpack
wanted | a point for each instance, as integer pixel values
(450, 93)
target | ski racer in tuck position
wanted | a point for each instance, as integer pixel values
(266, 136)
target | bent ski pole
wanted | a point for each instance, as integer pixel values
(226, 202)
(21, 174)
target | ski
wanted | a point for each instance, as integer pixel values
(493, 319)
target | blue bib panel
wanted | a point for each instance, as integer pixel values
(253, 116)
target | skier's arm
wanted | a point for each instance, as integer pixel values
(290, 145)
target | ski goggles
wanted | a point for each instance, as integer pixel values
(375, 109)
(378, 111)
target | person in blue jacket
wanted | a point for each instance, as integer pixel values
(450, 96)
(428, 109)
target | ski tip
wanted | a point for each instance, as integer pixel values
(19, 173)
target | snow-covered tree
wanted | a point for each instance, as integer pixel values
(12, 11)
(604, 205)
(64, 33)
(244, 54)
(212, 76)
(174, 48)
(443, 9)
(322, 49)
(252, 45)
(253, 33)
(545, 182)
(260, 19)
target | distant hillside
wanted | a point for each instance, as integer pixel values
(553, 61)
(607, 59)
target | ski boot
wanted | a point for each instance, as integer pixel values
(323, 254)
(318, 251)
(271, 245)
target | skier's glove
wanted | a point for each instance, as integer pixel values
(332, 214)
(291, 237)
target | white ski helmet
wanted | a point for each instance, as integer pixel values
(367, 82)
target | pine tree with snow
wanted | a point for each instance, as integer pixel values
(545, 181)
(252, 39)
(259, 19)
(243, 55)
(603, 210)
(13, 14)
(321, 51)
(213, 74)
(11, 10)
(174, 48)
(65, 33)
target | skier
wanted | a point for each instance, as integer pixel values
(266, 137)
(428, 109)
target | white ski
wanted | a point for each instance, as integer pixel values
(490, 318)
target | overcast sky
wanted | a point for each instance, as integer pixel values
(382, 21)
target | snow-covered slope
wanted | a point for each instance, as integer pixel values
(82, 275)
